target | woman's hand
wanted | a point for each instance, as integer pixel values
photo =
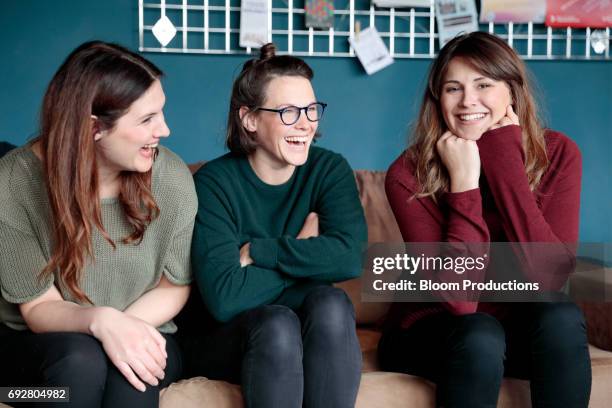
(461, 159)
(510, 119)
(136, 348)
(310, 228)
(245, 255)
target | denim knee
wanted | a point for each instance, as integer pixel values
(478, 341)
(558, 326)
(276, 332)
(328, 311)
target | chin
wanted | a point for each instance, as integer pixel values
(295, 158)
(470, 134)
(297, 161)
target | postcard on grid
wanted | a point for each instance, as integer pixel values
(371, 50)
(455, 17)
(254, 16)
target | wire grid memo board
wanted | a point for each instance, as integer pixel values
(213, 27)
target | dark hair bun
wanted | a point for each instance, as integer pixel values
(267, 51)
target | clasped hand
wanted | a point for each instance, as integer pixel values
(135, 347)
(461, 157)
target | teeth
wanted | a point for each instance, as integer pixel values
(300, 139)
(150, 146)
(473, 116)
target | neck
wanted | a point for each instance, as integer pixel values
(270, 171)
(108, 180)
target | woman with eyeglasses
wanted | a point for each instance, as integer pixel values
(96, 220)
(278, 222)
(483, 170)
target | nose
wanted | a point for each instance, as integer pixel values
(303, 122)
(162, 128)
(469, 97)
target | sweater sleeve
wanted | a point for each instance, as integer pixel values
(183, 202)
(421, 221)
(522, 219)
(226, 288)
(22, 256)
(335, 255)
(21, 261)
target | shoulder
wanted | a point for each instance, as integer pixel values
(221, 169)
(172, 180)
(319, 155)
(560, 146)
(20, 171)
(563, 154)
(22, 185)
(169, 163)
(324, 161)
(402, 170)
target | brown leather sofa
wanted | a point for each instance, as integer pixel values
(381, 389)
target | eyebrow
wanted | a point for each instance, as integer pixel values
(147, 115)
(457, 82)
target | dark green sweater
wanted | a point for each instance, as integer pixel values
(236, 207)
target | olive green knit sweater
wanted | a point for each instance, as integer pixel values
(115, 277)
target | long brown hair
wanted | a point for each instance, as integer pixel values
(250, 88)
(102, 80)
(493, 58)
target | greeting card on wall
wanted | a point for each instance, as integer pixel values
(319, 13)
(517, 11)
(579, 13)
(371, 50)
(402, 3)
(253, 23)
(455, 17)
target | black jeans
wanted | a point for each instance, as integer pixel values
(78, 361)
(468, 356)
(284, 358)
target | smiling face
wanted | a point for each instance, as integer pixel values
(130, 144)
(471, 103)
(281, 147)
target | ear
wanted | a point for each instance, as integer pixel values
(95, 128)
(248, 119)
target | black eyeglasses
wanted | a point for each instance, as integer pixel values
(291, 114)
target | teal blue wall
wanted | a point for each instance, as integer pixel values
(367, 120)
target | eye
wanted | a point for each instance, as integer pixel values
(147, 120)
(484, 85)
(451, 89)
(291, 109)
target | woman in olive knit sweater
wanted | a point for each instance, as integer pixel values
(96, 234)
(278, 222)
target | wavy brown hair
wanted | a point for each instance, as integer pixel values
(102, 80)
(493, 58)
(250, 89)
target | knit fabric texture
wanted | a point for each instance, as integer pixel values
(113, 277)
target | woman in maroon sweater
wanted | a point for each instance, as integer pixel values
(482, 169)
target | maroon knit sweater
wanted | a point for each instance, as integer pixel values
(503, 209)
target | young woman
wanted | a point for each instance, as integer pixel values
(482, 169)
(278, 221)
(96, 222)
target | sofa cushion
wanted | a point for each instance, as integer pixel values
(200, 392)
(381, 228)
